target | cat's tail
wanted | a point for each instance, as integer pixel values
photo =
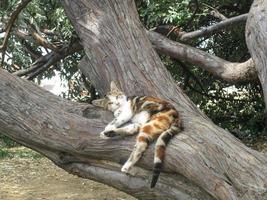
(160, 149)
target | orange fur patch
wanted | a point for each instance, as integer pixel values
(142, 139)
(160, 152)
(162, 118)
(174, 113)
(157, 126)
(154, 99)
(147, 129)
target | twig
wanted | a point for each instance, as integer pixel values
(40, 39)
(217, 14)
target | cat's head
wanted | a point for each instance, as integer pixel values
(113, 100)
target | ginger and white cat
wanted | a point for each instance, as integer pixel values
(148, 117)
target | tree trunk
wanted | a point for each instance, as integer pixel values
(256, 37)
(202, 162)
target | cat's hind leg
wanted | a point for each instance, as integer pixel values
(146, 134)
(139, 148)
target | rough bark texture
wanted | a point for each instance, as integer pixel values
(256, 37)
(203, 162)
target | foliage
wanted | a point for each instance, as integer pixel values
(239, 108)
(19, 152)
(6, 142)
(42, 16)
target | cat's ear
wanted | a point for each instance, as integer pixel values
(102, 103)
(114, 87)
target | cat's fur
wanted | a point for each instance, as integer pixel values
(151, 118)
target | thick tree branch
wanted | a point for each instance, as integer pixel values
(22, 4)
(228, 71)
(67, 133)
(256, 38)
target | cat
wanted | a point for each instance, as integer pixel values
(149, 117)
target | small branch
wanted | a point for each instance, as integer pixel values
(217, 14)
(10, 23)
(34, 54)
(41, 40)
(214, 28)
(228, 71)
(48, 60)
(48, 32)
(168, 29)
(184, 36)
(24, 36)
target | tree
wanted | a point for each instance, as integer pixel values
(203, 162)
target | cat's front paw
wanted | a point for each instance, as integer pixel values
(110, 128)
(126, 168)
(103, 136)
(107, 134)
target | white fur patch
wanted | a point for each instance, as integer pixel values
(126, 167)
(160, 142)
(157, 160)
(141, 118)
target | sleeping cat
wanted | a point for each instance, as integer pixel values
(149, 117)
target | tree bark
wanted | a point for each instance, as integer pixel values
(202, 162)
(256, 37)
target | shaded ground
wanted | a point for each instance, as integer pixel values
(29, 176)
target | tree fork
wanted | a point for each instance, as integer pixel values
(118, 49)
(202, 162)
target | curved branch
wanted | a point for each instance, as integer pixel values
(228, 71)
